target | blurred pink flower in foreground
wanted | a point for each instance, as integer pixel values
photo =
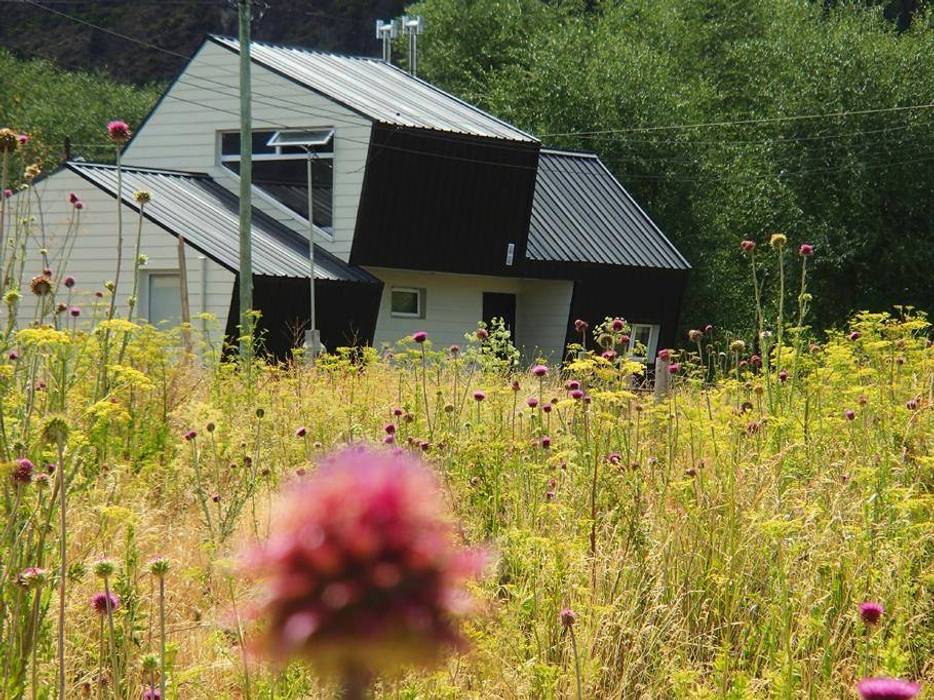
(887, 689)
(362, 570)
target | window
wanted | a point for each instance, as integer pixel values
(281, 170)
(163, 298)
(407, 302)
(643, 338)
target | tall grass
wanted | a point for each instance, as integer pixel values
(714, 543)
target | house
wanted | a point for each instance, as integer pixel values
(430, 214)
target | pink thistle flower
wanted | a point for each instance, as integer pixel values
(546, 442)
(618, 324)
(609, 355)
(99, 294)
(624, 339)
(755, 360)
(540, 371)
(572, 384)
(664, 354)
(420, 337)
(74, 311)
(152, 694)
(22, 471)
(581, 326)
(576, 394)
(882, 688)
(855, 335)
(190, 435)
(14, 355)
(806, 250)
(118, 131)
(748, 246)
(79, 205)
(479, 396)
(783, 376)
(674, 368)
(397, 412)
(454, 349)
(7, 193)
(301, 432)
(73, 198)
(850, 414)
(912, 404)
(482, 334)
(516, 386)
(362, 568)
(390, 428)
(871, 612)
(567, 617)
(532, 402)
(99, 602)
(389, 439)
(23, 139)
(547, 408)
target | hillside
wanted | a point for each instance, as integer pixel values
(179, 26)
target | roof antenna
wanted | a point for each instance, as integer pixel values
(413, 26)
(386, 32)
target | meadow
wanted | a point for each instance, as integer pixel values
(765, 528)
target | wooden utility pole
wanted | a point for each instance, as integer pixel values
(246, 181)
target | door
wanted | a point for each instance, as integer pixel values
(499, 305)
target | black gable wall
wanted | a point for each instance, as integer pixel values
(445, 202)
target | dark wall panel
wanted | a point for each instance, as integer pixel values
(440, 201)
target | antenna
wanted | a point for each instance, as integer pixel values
(386, 32)
(413, 26)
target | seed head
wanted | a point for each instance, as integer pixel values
(737, 346)
(159, 567)
(40, 285)
(694, 335)
(104, 568)
(778, 240)
(142, 197)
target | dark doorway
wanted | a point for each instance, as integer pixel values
(499, 305)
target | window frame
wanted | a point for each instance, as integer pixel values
(145, 298)
(651, 347)
(265, 196)
(420, 300)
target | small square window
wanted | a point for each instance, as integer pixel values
(407, 302)
(643, 338)
(163, 297)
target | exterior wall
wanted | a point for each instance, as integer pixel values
(454, 306)
(182, 133)
(93, 259)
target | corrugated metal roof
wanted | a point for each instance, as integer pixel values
(581, 213)
(207, 215)
(378, 90)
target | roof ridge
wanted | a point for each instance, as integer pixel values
(297, 47)
(138, 168)
(555, 150)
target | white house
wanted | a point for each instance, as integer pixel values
(430, 214)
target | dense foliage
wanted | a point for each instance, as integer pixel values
(858, 186)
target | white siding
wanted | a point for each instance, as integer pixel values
(94, 258)
(454, 306)
(182, 133)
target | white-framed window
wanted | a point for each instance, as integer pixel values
(281, 172)
(643, 340)
(161, 297)
(407, 302)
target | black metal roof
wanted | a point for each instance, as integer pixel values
(378, 90)
(207, 216)
(581, 213)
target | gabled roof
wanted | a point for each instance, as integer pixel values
(207, 216)
(378, 90)
(581, 213)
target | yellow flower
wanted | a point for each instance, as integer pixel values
(778, 240)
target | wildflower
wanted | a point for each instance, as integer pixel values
(8, 140)
(618, 324)
(748, 246)
(74, 311)
(547, 408)
(14, 356)
(664, 354)
(22, 139)
(624, 339)
(855, 335)
(22, 471)
(152, 694)
(695, 335)
(912, 404)
(580, 326)
(870, 612)
(850, 414)
(32, 171)
(479, 396)
(454, 349)
(482, 334)
(882, 688)
(40, 285)
(572, 384)
(516, 386)
(546, 442)
(708, 329)
(42, 481)
(104, 568)
(778, 240)
(142, 197)
(190, 435)
(674, 368)
(737, 346)
(32, 577)
(397, 412)
(7, 193)
(806, 250)
(532, 402)
(390, 428)
(609, 355)
(368, 581)
(576, 394)
(539, 371)
(73, 198)
(783, 376)
(79, 205)
(216, 497)
(389, 439)
(755, 360)
(118, 131)
(301, 432)
(159, 567)
(99, 294)
(101, 603)
(420, 337)
(568, 617)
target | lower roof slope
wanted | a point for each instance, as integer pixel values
(207, 216)
(582, 214)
